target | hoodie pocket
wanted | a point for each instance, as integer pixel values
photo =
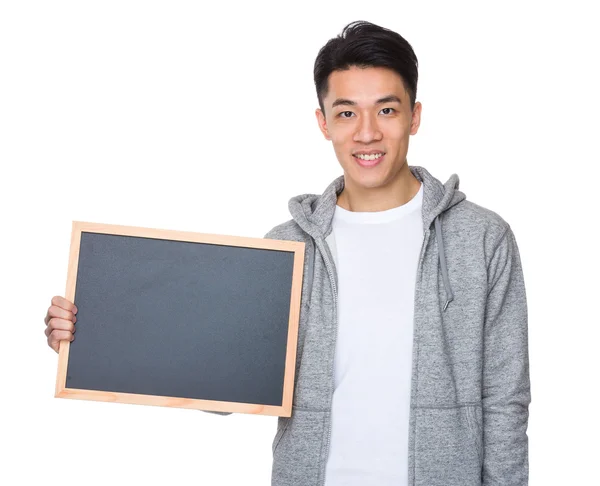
(447, 451)
(282, 425)
(475, 419)
(297, 451)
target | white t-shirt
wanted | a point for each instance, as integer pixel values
(376, 258)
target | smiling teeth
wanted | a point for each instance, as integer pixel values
(368, 157)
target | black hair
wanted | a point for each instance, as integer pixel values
(364, 44)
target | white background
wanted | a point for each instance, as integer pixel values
(199, 116)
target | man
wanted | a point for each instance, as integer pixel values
(412, 364)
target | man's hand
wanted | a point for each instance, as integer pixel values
(60, 321)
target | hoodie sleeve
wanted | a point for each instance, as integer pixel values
(506, 388)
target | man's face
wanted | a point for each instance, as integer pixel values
(359, 123)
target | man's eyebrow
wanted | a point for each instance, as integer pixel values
(385, 99)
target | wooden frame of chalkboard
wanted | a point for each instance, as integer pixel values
(119, 320)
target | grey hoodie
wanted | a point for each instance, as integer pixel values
(470, 391)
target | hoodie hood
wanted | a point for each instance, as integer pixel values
(314, 213)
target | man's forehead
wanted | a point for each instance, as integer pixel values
(365, 86)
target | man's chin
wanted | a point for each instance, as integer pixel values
(364, 179)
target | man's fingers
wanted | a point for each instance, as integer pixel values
(57, 324)
(60, 321)
(63, 303)
(57, 336)
(55, 311)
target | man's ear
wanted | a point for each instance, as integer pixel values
(322, 123)
(416, 118)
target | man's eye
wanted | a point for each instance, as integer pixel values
(349, 113)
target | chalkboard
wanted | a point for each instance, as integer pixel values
(181, 319)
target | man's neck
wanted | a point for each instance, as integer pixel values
(398, 192)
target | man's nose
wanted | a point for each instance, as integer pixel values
(367, 129)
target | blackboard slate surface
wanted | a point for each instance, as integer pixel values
(184, 319)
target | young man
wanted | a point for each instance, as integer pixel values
(412, 364)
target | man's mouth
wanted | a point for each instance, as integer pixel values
(374, 156)
(369, 159)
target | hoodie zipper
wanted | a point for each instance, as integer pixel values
(325, 254)
(335, 299)
(415, 336)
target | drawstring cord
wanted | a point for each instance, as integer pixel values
(441, 251)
